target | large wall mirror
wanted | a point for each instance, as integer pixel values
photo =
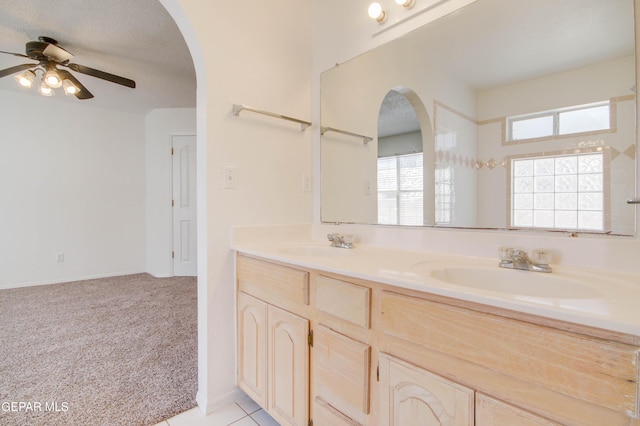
(503, 115)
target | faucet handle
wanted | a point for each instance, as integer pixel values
(541, 256)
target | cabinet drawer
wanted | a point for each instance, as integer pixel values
(492, 412)
(590, 369)
(343, 300)
(276, 284)
(341, 369)
(326, 415)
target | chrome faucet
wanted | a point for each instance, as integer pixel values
(512, 258)
(341, 241)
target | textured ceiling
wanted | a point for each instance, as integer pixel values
(397, 115)
(134, 39)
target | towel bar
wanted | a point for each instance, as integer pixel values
(241, 107)
(365, 139)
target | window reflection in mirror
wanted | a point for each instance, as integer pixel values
(401, 170)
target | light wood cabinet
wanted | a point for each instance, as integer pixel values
(326, 415)
(341, 371)
(288, 367)
(599, 371)
(491, 412)
(273, 338)
(412, 396)
(388, 356)
(252, 347)
(273, 359)
(344, 300)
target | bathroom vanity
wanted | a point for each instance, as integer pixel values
(369, 337)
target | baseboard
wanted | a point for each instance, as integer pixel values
(67, 279)
(160, 275)
(209, 406)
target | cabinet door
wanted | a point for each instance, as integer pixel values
(491, 412)
(411, 396)
(326, 415)
(288, 367)
(252, 347)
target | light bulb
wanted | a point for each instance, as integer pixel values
(376, 12)
(53, 79)
(69, 87)
(45, 90)
(25, 79)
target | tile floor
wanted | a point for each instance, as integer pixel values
(244, 412)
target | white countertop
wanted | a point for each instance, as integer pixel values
(615, 306)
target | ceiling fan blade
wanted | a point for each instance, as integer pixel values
(83, 93)
(14, 54)
(15, 69)
(103, 75)
(57, 53)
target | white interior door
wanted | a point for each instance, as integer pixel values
(184, 206)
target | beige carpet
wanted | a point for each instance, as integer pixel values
(112, 351)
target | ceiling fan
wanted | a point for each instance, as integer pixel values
(50, 57)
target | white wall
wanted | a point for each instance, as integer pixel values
(161, 125)
(72, 182)
(255, 53)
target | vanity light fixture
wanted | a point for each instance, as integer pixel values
(406, 3)
(377, 13)
(25, 79)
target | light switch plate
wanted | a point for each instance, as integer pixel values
(230, 177)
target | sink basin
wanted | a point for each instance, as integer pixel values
(516, 282)
(315, 251)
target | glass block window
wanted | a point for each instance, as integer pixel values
(400, 190)
(558, 192)
(565, 121)
(445, 195)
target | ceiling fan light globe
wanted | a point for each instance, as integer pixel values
(26, 78)
(45, 90)
(53, 79)
(69, 87)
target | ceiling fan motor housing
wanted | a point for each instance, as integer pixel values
(35, 50)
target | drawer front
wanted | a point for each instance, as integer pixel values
(492, 412)
(344, 300)
(597, 371)
(341, 368)
(276, 284)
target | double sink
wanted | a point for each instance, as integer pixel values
(495, 279)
